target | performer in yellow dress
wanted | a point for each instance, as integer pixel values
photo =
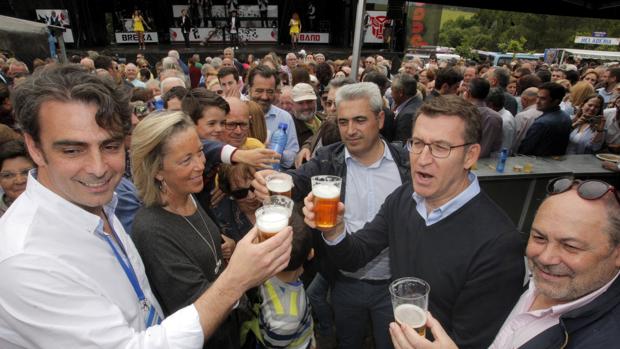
(138, 27)
(295, 25)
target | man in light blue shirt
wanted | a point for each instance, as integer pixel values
(131, 73)
(371, 169)
(264, 83)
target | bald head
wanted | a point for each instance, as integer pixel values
(228, 62)
(528, 97)
(88, 63)
(131, 71)
(239, 117)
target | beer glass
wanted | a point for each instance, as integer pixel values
(279, 200)
(410, 302)
(279, 184)
(326, 191)
(270, 219)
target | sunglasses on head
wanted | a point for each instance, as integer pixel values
(591, 189)
(241, 193)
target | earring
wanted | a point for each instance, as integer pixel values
(163, 187)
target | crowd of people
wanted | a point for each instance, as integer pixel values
(130, 191)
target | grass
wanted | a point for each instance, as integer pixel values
(451, 13)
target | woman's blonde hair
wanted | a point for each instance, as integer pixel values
(258, 125)
(148, 141)
(579, 92)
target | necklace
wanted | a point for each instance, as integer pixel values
(218, 262)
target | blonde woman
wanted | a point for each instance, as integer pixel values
(181, 247)
(295, 28)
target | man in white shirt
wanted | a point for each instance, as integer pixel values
(526, 117)
(573, 298)
(72, 277)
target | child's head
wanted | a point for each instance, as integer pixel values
(302, 242)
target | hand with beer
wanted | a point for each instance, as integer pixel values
(252, 263)
(273, 216)
(311, 213)
(405, 337)
(269, 182)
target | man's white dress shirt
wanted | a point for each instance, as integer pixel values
(62, 286)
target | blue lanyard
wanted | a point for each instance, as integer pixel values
(131, 275)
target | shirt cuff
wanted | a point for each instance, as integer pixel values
(336, 241)
(227, 151)
(183, 329)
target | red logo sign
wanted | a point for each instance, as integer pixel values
(376, 22)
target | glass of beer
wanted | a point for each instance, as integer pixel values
(270, 219)
(279, 184)
(410, 302)
(326, 191)
(281, 201)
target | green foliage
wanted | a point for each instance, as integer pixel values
(504, 31)
(513, 45)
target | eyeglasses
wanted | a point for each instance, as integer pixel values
(241, 193)
(438, 150)
(8, 175)
(233, 125)
(591, 189)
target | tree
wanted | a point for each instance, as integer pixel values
(493, 30)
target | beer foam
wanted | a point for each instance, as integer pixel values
(325, 191)
(410, 315)
(272, 221)
(279, 185)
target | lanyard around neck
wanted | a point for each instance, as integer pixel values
(127, 268)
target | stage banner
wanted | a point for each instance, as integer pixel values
(423, 21)
(314, 38)
(199, 15)
(132, 38)
(374, 27)
(59, 18)
(215, 35)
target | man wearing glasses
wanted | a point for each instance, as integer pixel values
(573, 253)
(237, 126)
(442, 228)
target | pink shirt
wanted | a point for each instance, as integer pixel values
(522, 325)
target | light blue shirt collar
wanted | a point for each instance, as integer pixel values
(449, 207)
(386, 155)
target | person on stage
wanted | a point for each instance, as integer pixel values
(138, 27)
(233, 28)
(295, 29)
(186, 26)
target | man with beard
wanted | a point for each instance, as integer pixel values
(307, 123)
(573, 297)
(263, 82)
(328, 132)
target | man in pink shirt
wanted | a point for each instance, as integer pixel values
(573, 298)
